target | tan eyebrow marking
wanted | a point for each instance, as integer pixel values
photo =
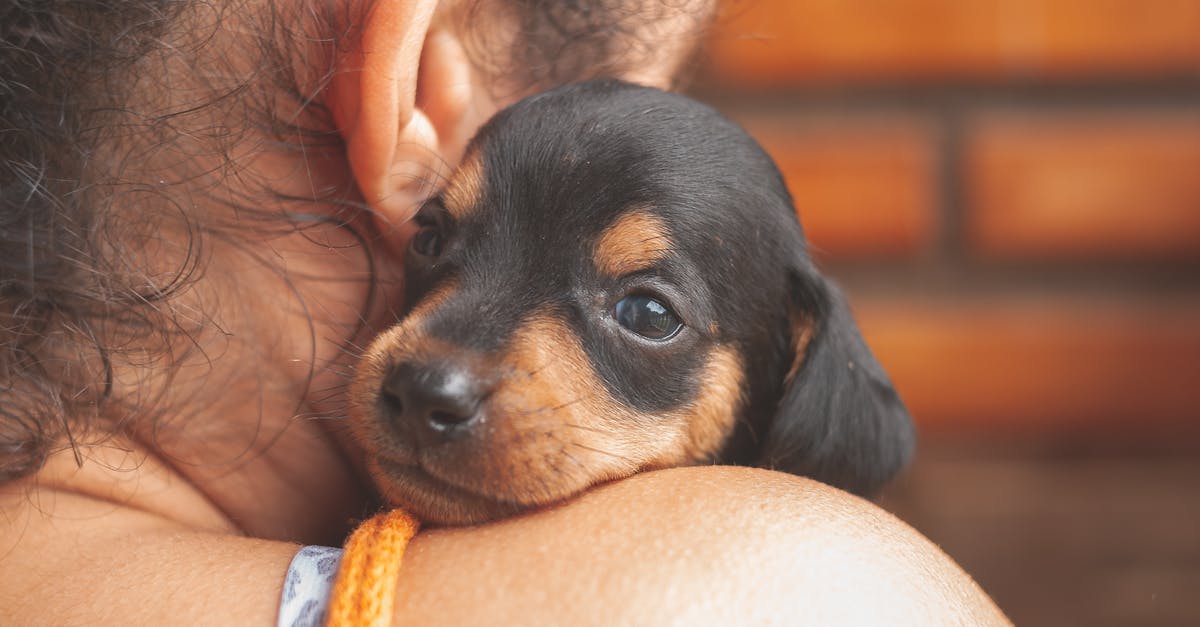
(465, 190)
(636, 240)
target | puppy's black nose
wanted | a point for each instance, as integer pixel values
(442, 397)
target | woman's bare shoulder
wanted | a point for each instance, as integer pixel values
(706, 545)
(700, 545)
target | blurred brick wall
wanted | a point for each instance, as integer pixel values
(1008, 189)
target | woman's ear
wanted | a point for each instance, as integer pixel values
(839, 420)
(402, 98)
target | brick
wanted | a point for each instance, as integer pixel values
(1086, 186)
(1039, 363)
(1089, 537)
(767, 42)
(864, 187)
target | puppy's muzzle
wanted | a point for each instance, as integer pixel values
(436, 401)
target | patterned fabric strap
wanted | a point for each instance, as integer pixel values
(365, 590)
(306, 589)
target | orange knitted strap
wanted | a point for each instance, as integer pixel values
(365, 590)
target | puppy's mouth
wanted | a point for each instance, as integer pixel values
(436, 500)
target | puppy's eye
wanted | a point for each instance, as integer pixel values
(428, 241)
(647, 317)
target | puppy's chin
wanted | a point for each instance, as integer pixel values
(434, 501)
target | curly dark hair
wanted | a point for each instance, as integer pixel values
(94, 252)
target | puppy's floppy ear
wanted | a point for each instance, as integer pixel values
(839, 420)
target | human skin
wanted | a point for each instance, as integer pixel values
(715, 545)
(194, 519)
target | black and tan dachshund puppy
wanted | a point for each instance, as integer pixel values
(614, 280)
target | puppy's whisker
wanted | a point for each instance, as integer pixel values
(553, 360)
(339, 368)
(573, 459)
(320, 417)
(569, 425)
(351, 348)
(340, 386)
(328, 393)
(603, 452)
(551, 408)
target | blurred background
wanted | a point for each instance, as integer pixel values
(1009, 191)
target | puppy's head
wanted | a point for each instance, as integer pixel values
(614, 280)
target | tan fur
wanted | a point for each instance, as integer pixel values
(802, 332)
(635, 241)
(711, 416)
(465, 188)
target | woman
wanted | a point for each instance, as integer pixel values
(203, 209)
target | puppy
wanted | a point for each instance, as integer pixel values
(614, 280)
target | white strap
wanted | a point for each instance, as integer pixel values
(306, 589)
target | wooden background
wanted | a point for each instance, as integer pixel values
(1009, 190)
